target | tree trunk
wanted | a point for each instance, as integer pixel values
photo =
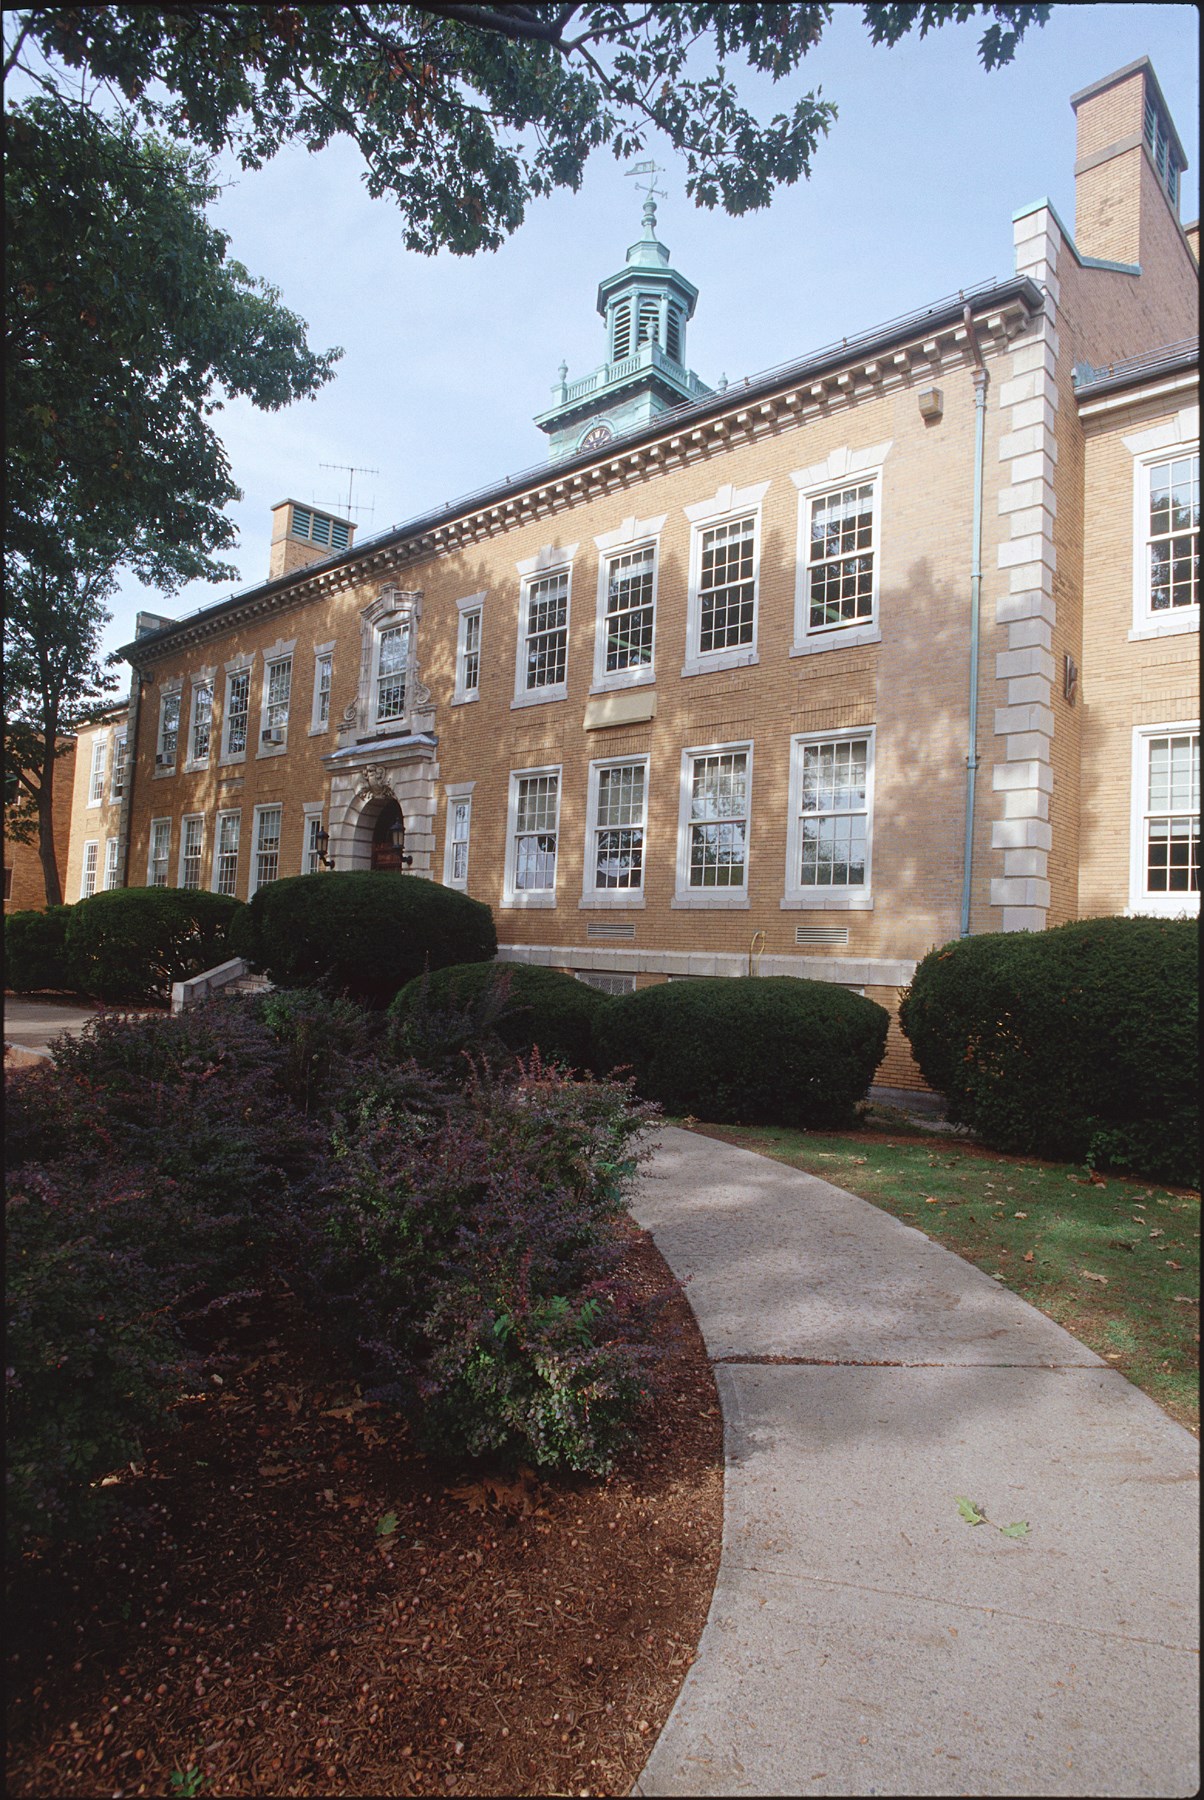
(46, 852)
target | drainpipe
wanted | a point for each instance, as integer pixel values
(126, 812)
(980, 419)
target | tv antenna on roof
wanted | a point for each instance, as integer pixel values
(351, 470)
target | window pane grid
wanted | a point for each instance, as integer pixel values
(88, 883)
(280, 684)
(840, 576)
(726, 587)
(119, 756)
(535, 834)
(1175, 534)
(227, 853)
(96, 785)
(313, 825)
(111, 871)
(718, 820)
(190, 853)
(391, 672)
(629, 611)
(160, 844)
(237, 705)
(619, 838)
(1173, 839)
(470, 654)
(322, 678)
(202, 715)
(834, 814)
(169, 727)
(461, 813)
(267, 846)
(547, 631)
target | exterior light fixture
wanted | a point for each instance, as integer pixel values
(321, 844)
(397, 837)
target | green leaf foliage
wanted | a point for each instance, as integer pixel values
(972, 1514)
(35, 951)
(533, 1008)
(363, 932)
(746, 1050)
(131, 944)
(1079, 1042)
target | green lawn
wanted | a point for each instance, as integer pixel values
(1116, 1262)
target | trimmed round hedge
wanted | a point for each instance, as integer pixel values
(35, 951)
(746, 1050)
(1077, 1043)
(537, 1007)
(366, 932)
(130, 944)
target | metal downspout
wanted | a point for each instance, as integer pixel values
(980, 419)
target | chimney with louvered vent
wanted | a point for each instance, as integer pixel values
(301, 534)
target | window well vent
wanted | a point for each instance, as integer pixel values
(807, 935)
(605, 983)
(616, 932)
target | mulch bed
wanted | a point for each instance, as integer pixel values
(293, 1600)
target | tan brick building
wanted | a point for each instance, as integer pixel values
(24, 883)
(802, 677)
(94, 860)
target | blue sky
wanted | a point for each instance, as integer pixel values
(447, 359)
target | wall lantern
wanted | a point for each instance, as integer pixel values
(397, 837)
(322, 844)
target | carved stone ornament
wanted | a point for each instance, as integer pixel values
(349, 713)
(420, 694)
(374, 784)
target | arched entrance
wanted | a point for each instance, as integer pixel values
(384, 856)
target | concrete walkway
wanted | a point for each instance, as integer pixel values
(30, 1024)
(863, 1638)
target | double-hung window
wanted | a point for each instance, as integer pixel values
(117, 788)
(1165, 874)
(160, 847)
(392, 659)
(532, 837)
(629, 617)
(112, 873)
(616, 830)
(323, 680)
(831, 810)
(202, 724)
(459, 826)
(712, 858)
(265, 862)
(192, 840)
(277, 692)
(721, 614)
(237, 713)
(225, 853)
(468, 649)
(839, 550)
(1168, 542)
(169, 732)
(96, 779)
(545, 632)
(311, 849)
(87, 880)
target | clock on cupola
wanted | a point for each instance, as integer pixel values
(646, 306)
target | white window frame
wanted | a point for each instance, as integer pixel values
(842, 468)
(632, 536)
(96, 774)
(188, 820)
(238, 666)
(88, 868)
(235, 813)
(392, 607)
(591, 894)
(201, 683)
(726, 507)
(1178, 621)
(312, 823)
(258, 815)
(710, 899)
(459, 795)
(117, 773)
(318, 726)
(550, 561)
(152, 859)
(849, 897)
(171, 692)
(529, 897)
(468, 609)
(279, 656)
(112, 871)
(1141, 901)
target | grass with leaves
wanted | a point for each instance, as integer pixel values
(1114, 1261)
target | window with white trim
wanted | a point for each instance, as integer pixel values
(112, 873)
(1169, 503)
(192, 844)
(202, 724)
(311, 850)
(831, 811)
(468, 650)
(629, 612)
(725, 555)
(545, 632)
(459, 827)
(616, 828)
(120, 751)
(160, 849)
(277, 692)
(323, 681)
(607, 981)
(225, 852)
(392, 659)
(840, 540)
(1165, 874)
(87, 880)
(532, 836)
(712, 860)
(265, 866)
(235, 715)
(169, 731)
(96, 779)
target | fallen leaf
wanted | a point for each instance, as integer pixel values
(274, 1468)
(1172, 1264)
(1020, 1215)
(973, 1515)
(1017, 1530)
(931, 1200)
(1096, 1180)
(1157, 1232)
(386, 1525)
(1088, 1276)
(1028, 1255)
(1187, 1299)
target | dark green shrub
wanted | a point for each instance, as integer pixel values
(536, 1008)
(131, 944)
(1079, 1042)
(324, 1037)
(35, 951)
(746, 1050)
(365, 933)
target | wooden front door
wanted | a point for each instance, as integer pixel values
(384, 856)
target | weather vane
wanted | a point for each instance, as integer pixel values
(650, 171)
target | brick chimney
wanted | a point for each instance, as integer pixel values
(302, 534)
(1127, 168)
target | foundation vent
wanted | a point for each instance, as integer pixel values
(805, 936)
(606, 983)
(617, 933)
